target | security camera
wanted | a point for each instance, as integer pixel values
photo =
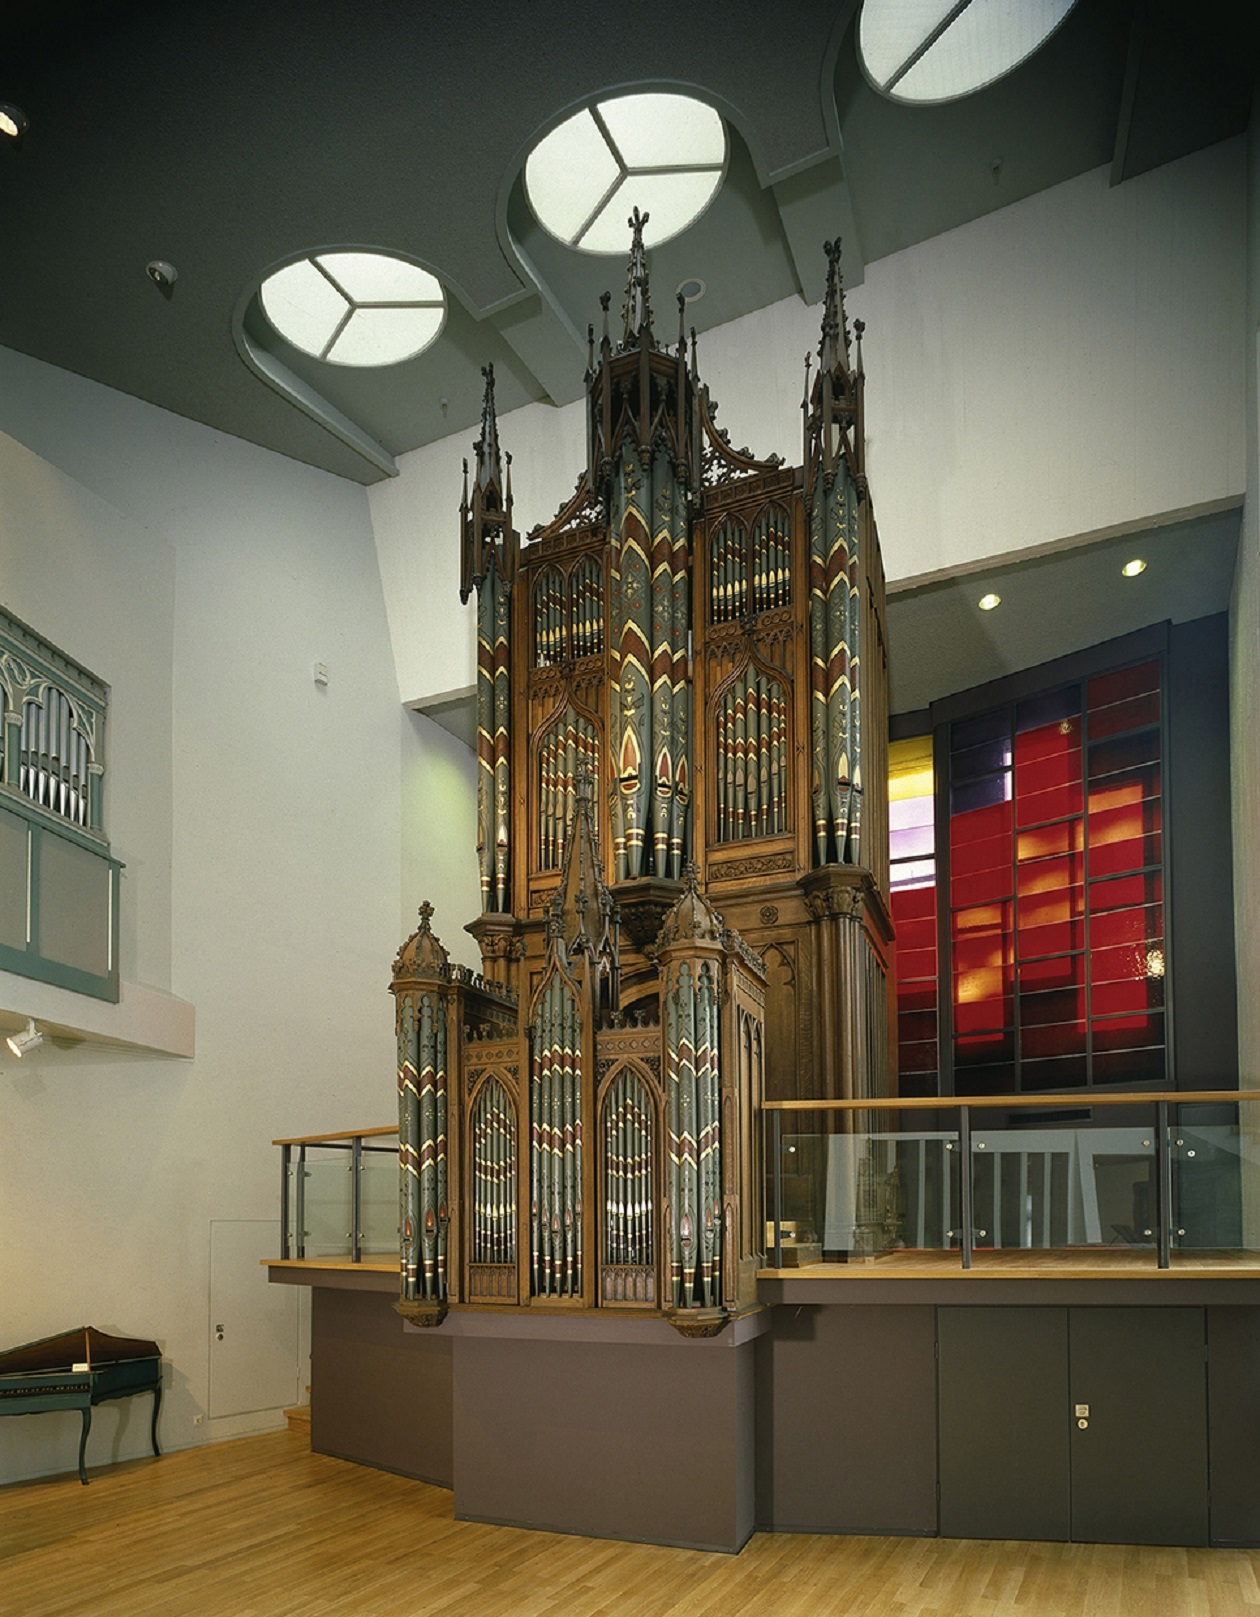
(162, 274)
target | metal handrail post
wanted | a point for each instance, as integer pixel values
(1163, 1185)
(965, 1199)
(776, 1131)
(299, 1202)
(284, 1201)
(356, 1209)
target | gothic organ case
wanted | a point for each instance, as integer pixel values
(682, 839)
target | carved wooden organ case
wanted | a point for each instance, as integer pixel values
(682, 835)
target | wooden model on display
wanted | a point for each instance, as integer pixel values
(682, 831)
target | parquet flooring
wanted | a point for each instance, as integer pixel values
(260, 1527)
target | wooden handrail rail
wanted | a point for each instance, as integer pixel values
(345, 1134)
(1055, 1102)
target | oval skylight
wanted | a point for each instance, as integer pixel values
(664, 154)
(355, 308)
(937, 50)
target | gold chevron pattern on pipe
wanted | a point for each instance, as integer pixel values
(752, 759)
(493, 738)
(628, 1190)
(693, 1138)
(650, 707)
(835, 670)
(409, 1218)
(566, 751)
(556, 1144)
(493, 1176)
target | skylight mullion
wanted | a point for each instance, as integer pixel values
(341, 326)
(926, 44)
(595, 212)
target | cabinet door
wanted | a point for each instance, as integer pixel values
(1004, 1435)
(1139, 1464)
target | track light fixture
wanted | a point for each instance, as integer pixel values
(30, 1038)
(13, 121)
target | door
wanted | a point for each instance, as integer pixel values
(1016, 1384)
(254, 1333)
(1139, 1463)
(1004, 1439)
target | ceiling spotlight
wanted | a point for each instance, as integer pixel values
(986, 603)
(13, 121)
(1131, 569)
(692, 289)
(28, 1039)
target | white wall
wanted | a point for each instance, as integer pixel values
(261, 820)
(1064, 366)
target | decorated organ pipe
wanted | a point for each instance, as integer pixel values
(493, 1191)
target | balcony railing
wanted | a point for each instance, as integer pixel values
(1169, 1172)
(339, 1196)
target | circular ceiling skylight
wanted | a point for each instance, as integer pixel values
(662, 154)
(355, 308)
(937, 50)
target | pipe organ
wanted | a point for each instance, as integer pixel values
(682, 835)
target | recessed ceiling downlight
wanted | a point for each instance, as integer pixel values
(355, 308)
(937, 50)
(663, 154)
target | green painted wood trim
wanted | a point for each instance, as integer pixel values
(29, 962)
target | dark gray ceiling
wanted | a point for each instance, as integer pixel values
(227, 137)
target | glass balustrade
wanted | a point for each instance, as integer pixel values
(1155, 1175)
(340, 1197)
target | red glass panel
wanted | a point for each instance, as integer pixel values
(919, 1057)
(916, 904)
(1058, 803)
(1129, 715)
(1129, 1032)
(1058, 740)
(1122, 684)
(985, 1007)
(914, 931)
(916, 1025)
(1049, 876)
(1121, 963)
(976, 825)
(1048, 909)
(1068, 836)
(1141, 926)
(917, 996)
(975, 1049)
(1110, 758)
(916, 965)
(1068, 971)
(1056, 1039)
(987, 853)
(1046, 775)
(983, 887)
(1054, 938)
(1130, 854)
(1135, 996)
(983, 918)
(1125, 891)
(979, 950)
(1052, 1005)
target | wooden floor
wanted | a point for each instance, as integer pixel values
(260, 1527)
